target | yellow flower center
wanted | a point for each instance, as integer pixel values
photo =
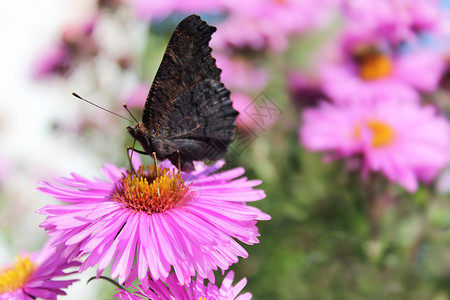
(375, 66)
(16, 275)
(383, 134)
(146, 192)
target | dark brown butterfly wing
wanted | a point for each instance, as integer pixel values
(186, 62)
(188, 114)
(200, 123)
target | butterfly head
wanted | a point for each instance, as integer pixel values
(142, 135)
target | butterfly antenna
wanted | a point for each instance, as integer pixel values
(157, 175)
(126, 107)
(102, 108)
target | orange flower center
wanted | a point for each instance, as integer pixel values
(383, 134)
(144, 191)
(16, 275)
(375, 66)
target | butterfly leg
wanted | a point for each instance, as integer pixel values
(130, 156)
(179, 161)
(137, 151)
(157, 175)
(185, 166)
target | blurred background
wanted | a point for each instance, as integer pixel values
(343, 114)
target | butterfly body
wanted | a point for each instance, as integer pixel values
(188, 115)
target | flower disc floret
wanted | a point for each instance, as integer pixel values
(382, 133)
(375, 66)
(16, 275)
(143, 191)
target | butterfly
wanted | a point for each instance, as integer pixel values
(188, 115)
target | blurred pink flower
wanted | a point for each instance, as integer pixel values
(404, 141)
(191, 291)
(248, 32)
(56, 61)
(79, 34)
(291, 16)
(268, 24)
(397, 20)
(144, 226)
(257, 114)
(162, 8)
(76, 43)
(382, 76)
(32, 276)
(138, 95)
(241, 102)
(240, 74)
(304, 91)
(247, 118)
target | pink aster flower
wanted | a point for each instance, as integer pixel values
(56, 61)
(249, 32)
(289, 16)
(404, 141)
(382, 76)
(241, 74)
(243, 104)
(268, 24)
(146, 225)
(162, 8)
(254, 114)
(397, 20)
(77, 43)
(33, 276)
(192, 290)
(304, 90)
